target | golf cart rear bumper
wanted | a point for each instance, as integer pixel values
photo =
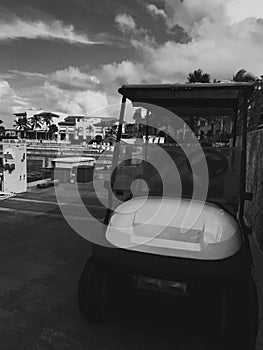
(226, 270)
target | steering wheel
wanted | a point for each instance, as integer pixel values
(217, 162)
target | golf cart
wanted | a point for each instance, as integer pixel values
(177, 191)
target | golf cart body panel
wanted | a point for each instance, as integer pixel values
(129, 262)
(214, 235)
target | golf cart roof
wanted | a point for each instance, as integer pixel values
(204, 99)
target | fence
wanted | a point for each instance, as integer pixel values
(254, 209)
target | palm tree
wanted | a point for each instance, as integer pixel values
(36, 123)
(198, 76)
(22, 125)
(47, 118)
(2, 129)
(89, 128)
(243, 76)
(51, 130)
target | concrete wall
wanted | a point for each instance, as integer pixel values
(35, 170)
(254, 209)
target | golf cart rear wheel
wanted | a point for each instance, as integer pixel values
(95, 292)
(239, 316)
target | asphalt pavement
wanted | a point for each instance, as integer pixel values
(40, 263)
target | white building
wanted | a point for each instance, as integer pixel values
(83, 129)
(14, 167)
(34, 132)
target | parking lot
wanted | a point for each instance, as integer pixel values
(41, 260)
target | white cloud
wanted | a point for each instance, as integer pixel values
(74, 78)
(217, 43)
(74, 102)
(126, 71)
(125, 22)
(114, 75)
(238, 10)
(154, 10)
(189, 13)
(6, 75)
(55, 30)
(70, 91)
(95, 92)
(220, 42)
(9, 102)
(219, 50)
(128, 27)
(26, 74)
(5, 89)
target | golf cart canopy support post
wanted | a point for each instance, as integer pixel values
(115, 157)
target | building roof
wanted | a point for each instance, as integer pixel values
(66, 123)
(21, 114)
(51, 114)
(90, 117)
(73, 118)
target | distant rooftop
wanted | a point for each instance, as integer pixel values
(67, 123)
(89, 117)
(21, 114)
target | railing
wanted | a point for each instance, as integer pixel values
(44, 142)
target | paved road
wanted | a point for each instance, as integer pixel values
(40, 262)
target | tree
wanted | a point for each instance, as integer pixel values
(51, 130)
(36, 123)
(47, 119)
(243, 76)
(198, 76)
(2, 129)
(22, 125)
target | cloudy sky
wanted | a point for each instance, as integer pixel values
(71, 56)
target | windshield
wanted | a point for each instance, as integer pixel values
(186, 145)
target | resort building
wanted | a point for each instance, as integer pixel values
(78, 129)
(36, 124)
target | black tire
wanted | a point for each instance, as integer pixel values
(239, 316)
(96, 292)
